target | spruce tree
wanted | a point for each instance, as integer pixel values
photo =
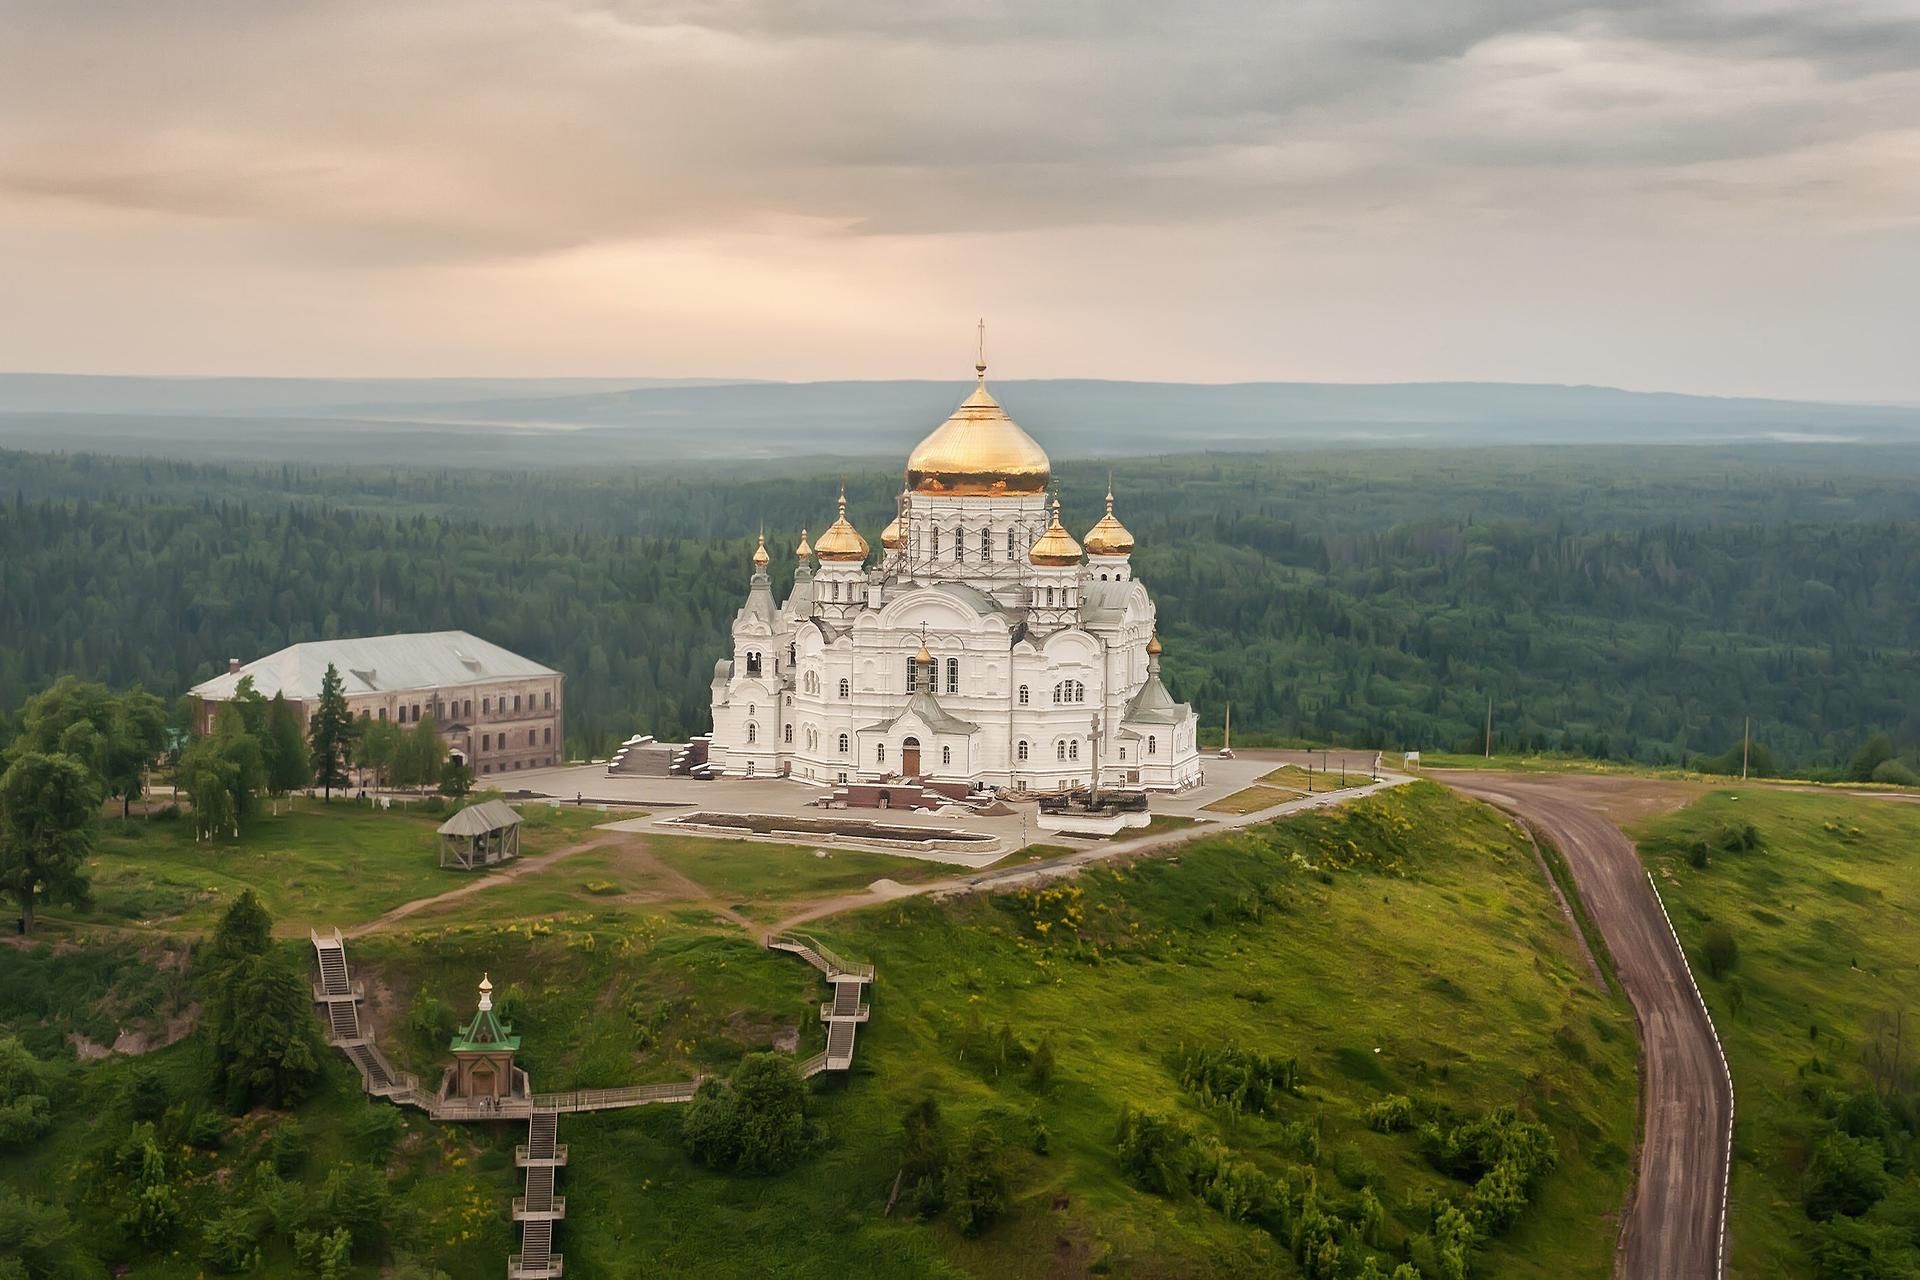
(288, 766)
(333, 734)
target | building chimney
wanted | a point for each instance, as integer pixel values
(233, 665)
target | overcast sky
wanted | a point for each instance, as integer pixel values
(1719, 196)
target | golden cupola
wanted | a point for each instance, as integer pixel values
(1056, 547)
(760, 557)
(804, 551)
(891, 537)
(979, 450)
(841, 542)
(1109, 537)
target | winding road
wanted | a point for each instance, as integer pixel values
(1672, 1224)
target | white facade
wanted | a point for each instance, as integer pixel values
(1043, 662)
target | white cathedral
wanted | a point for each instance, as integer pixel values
(982, 646)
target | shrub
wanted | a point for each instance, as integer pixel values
(287, 1148)
(147, 1094)
(1242, 1079)
(1846, 1175)
(1698, 855)
(431, 1024)
(354, 1202)
(1502, 1155)
(1897, 772)
(376, 1129)
(1040, 1065)
(230, 1242)
(923, 1158)
(1156, 1151)
(208, 1131)
(978, 1181)
(25, 1114)
(755, 1123)
(1722, 952)
(1391, 1114)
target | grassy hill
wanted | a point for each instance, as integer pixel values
(1816, 893)
(1403, 946)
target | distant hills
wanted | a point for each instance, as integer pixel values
(583, 421)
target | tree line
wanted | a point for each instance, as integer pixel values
(1607, 605)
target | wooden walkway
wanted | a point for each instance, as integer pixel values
(538, 1209)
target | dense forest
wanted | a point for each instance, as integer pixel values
(1636, 604)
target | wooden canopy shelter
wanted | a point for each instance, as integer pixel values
(480, 835)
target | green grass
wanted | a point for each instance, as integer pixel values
(1823, 914)
(1313, 938)
(1251, 800)
(758, 876)
(313, 865)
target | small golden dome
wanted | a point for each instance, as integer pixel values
(841, 542)
(760, 556)
(979, 450)
(923, 657)
(891, 537)
(1109, 537)
(1153, 645)
(1056, 546)
(802, 551)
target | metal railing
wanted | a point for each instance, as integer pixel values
(829, 962)
(635, 1095)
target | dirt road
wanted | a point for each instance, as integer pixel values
(1671, 1226)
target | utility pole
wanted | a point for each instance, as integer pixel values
(1746, 747)
(1489, 726)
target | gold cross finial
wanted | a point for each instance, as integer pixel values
(980, 355)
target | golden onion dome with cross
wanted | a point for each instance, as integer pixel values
(760, 557)
(841, 542)
(979, 450)
(1109, 537)
(804, 550)
(1055, 547)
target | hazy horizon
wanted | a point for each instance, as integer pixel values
(1715, 197)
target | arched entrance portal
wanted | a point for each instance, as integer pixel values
(910, 758)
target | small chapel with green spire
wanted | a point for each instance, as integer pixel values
(483, 1054)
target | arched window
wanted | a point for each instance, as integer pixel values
(879, 753)
(836, 590)
(986, 546)
(959, 545)
(1024, 695)
(753, 662)
(1123, 755)
(844, 688)
(843, 744)
(792, 651)
(913, 674)
(753, 732)
(1022, 751)
(789, 735)
(946, 755)
(1079, 692)
(953, 675)
(1153, 745)
(1060, 750)
(1049, 595)
(1009, 544)
(936, 544)
(1073, 749)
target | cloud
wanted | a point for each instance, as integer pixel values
(386, 135)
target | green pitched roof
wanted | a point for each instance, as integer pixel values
(485, 1032)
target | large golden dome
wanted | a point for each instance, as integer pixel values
(979, 450)
(841, 542)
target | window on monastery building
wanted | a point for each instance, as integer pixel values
(546, 700)
(913, 674)
(1070, 691)
(749, 768)
(843, 744)
(486, 742)
(468, 705)
(1049, 595)
(936, 544)
(1123, 755)
(1073, 749)
(753, 733)
(1025, 695)
(843, 776)
(1009, 544)
(383, 716)
(836, 590)
(546, 736)
(986, 546)
(789, 735)
(486, 705)
(953, 675)
(959, 545)
(1060, 750)
(753, 663)
(845, 688)
(486, 768)
(1020, 752)
(793, 656)
(1153, 745)
(879, 753)
(946, 755)
(516, 706)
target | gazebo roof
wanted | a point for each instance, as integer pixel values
(481, 819)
